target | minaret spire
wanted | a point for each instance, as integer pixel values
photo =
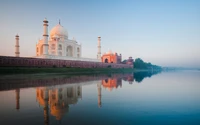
(99, 48)
(17, 53)
(59, 21)
(45, 35)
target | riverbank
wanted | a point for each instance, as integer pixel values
(146, 70)
(24, 70)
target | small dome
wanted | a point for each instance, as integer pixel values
(109, 52)
(60, 31)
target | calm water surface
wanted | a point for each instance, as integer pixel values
(166, 98)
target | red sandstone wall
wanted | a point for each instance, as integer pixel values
(8, 61)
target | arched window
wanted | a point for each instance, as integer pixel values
(53, 46)
(106, 60)
(60, 53)
(60, 47)
(78, 55)
(78, 50)
(41, 50)
(69, 51)
(37, 49)
(106, 80)
(53, 53)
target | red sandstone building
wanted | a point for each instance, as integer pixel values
(110, 57)
(130, 61)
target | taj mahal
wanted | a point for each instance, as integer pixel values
(58, 46)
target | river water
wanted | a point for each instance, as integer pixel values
(161, 98)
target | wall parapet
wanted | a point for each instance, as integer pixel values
(9, 61)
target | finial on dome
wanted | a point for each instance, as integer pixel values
(59, 21)
(45, 20)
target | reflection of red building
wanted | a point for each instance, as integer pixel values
(110, 57)
(112, 83)
(129, 78)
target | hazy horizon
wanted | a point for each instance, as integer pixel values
(165, 33)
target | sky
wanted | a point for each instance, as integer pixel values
(163, 32)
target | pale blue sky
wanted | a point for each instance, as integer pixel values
(164, 32)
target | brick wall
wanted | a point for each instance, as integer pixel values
(9, 61)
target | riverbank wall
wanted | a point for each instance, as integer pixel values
(9, 61)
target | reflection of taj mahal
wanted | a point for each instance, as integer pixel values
(57, 99)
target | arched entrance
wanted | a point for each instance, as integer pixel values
(69, 51)
(106, 60)
(41, 50)
(106, 80)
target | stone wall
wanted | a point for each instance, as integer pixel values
(8, 61)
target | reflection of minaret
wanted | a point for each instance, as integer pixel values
(17, 92)
(46, 107)
(99, 94)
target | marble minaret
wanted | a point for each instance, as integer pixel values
(99, 48)
(45, 39)
(17, 53)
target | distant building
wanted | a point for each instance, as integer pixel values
(130, 61)
(110, 57)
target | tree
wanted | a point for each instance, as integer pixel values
(140, 64)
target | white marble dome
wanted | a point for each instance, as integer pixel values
(59, 31)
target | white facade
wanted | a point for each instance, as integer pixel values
(58, 43)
